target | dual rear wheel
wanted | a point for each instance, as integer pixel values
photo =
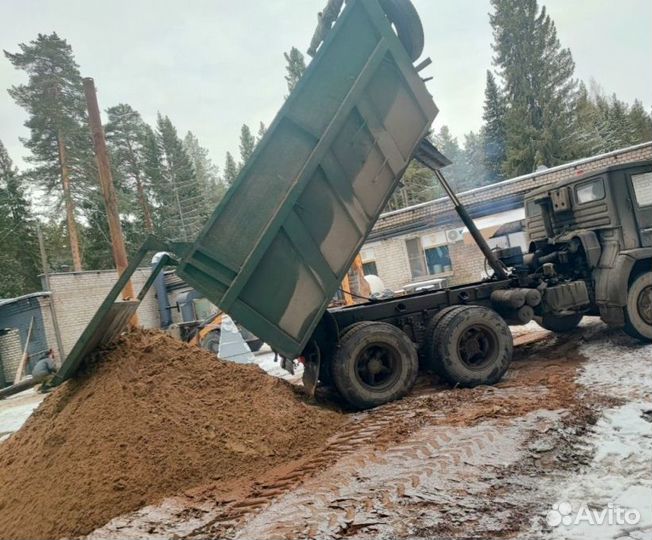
(377, 362)
(468, 346)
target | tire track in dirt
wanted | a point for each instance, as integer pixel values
(433, 431)
(407, 436)
(307, 503)
(374, 492)
(377, 428)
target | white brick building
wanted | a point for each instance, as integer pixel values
(428, 241)
(78, 295)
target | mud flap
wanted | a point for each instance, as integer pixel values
(311, 374)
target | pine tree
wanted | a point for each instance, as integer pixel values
(206, 171)
(262, 129)
(126, 135)
(448, 145)
(296, 66)
(620, 130)
(247, 144)
(95, 236)
(417, 185)
(589, 121)
(539, 87)
(56, 242)
(181, 196)
(475, 173)
(59, 138)
(494, 133)
(641, 123)
(230, 169)
(19, 254)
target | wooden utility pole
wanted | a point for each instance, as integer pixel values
(106, 182)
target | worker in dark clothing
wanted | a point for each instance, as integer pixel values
(44, 367)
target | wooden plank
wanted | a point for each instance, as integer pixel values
(25, 356)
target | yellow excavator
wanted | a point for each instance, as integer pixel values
(354, 288)
(206, 334)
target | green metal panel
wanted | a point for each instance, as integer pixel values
(277, 247)
(111, 318)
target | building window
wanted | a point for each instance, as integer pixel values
(428, 256)
(368, 256)
(369, 268)
(438, 260)
(643, 188)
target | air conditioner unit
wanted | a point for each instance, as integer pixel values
(430, 285)
(455, 235)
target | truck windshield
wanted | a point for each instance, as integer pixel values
(643, 188)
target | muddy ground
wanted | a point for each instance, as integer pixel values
(566, 435)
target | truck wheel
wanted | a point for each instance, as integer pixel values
(374, 363)
(472, 345)
(638, 313)
(429, 350)
(407, 23)
(326, 367)
(212, 342)
(559, 324)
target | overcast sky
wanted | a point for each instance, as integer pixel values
(211, 65)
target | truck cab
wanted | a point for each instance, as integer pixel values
(591, 240)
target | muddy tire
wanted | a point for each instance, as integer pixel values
(429, 351)
(559, 324)
(638, 312)
(407, 23)
(472, 345)
(212, 342)
(326, 366)
(375, 363)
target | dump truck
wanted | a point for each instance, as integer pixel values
(277, 247)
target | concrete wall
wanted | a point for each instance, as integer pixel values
(78, 295)
(393, 229)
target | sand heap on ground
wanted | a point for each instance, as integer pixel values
(153, 418)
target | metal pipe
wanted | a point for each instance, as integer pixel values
(498, 267)
(46, 283)
(161, 291)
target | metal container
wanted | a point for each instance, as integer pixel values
(275, 250)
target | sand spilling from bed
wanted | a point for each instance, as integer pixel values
(154, 417)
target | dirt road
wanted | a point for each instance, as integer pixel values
(562, 444)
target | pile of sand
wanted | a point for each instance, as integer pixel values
(153, 418)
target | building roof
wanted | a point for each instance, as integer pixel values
(536, 174)
(499, 197)
(7, 301)
(592, 174)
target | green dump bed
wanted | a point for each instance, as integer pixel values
(276, 248)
